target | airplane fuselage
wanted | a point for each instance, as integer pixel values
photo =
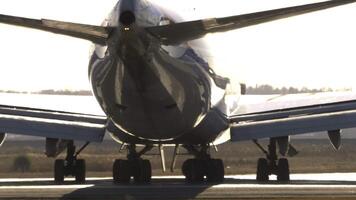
(152, 92)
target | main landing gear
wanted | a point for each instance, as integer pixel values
(71, 166)
(202, 166)
(195, 170)
(271, 164)
(134, 166)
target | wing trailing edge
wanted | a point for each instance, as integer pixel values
(180, 32)
(51, 124)
(293, 126)
(330, 117)
(96, 34)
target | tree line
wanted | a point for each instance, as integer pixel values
(52, 92)
(257, 89)
(268, 89)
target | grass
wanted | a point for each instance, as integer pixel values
(316, 155)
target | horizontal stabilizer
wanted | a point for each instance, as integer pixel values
(96, 34)
(181, 32)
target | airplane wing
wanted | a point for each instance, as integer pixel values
(180, 32)
(96, 34)
(278, 116)
(43, 122)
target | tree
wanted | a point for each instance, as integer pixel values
(22, 163)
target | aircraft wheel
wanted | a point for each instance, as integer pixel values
(195, 168)
(262, 170)
(59, 171)
(115, 171)
(121, 171)
(80, 169)
(143, 171)
(215, 171)
(185, 167)
(283, 170)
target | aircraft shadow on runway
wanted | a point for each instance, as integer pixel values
(158, 189)
(177, 189)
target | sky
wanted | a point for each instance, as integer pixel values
(315, 50)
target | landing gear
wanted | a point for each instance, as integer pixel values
(139, 169)
(121, 171)
(215, 171)
(71, 166)
(272, 165)
(59, 171)
(80, 171)
(136, 167)
(283, 170)
(262, 170)
(195, 170)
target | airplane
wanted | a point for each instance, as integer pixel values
(157, 89)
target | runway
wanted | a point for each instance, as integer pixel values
(303, 186)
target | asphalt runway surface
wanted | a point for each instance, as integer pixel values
(302, 186)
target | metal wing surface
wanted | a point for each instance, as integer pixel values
(180, 32)
(262, 116)
(96, 34)
(43, 121)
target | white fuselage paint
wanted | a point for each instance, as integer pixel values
(154, 93)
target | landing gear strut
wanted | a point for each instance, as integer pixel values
(134, 166)
(195, 170)
(271, 164)
(71, 166)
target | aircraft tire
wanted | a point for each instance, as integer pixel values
(197, 171)
(186, 169)
(283, 173)
(143, 171)
(115, 171)
(215, 171)
(262, 170)
(121, 171)
(193, 170)
(80, 171)
(59, 171)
